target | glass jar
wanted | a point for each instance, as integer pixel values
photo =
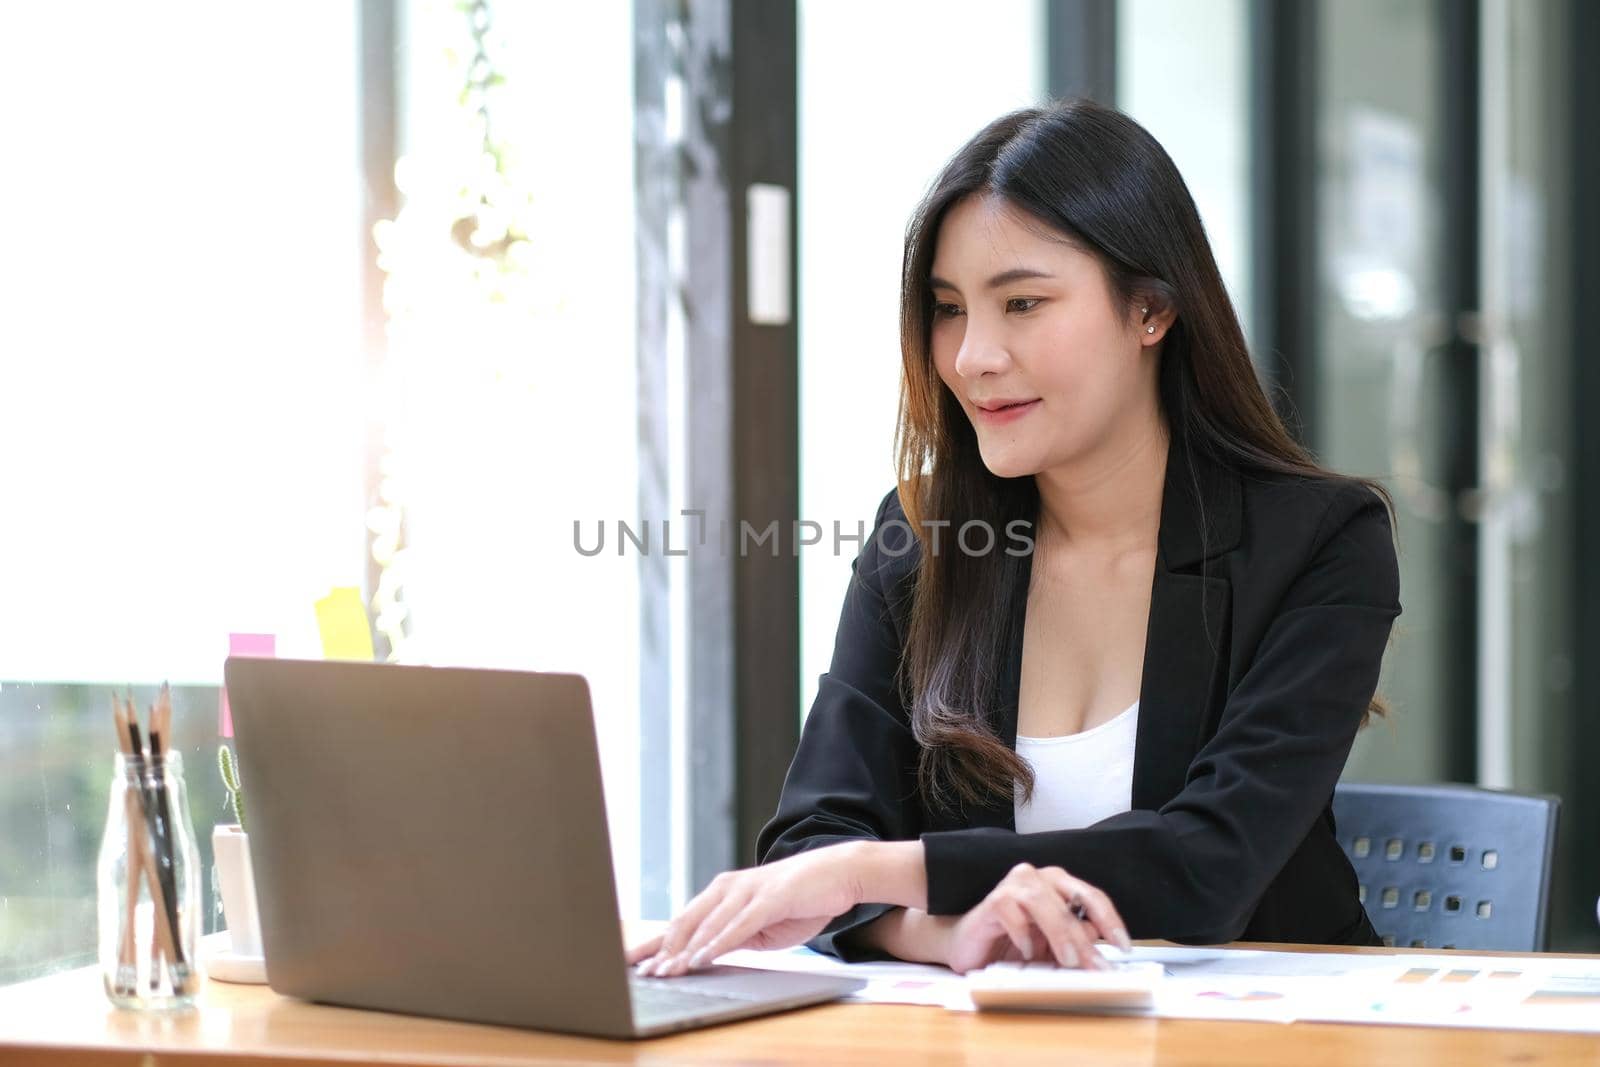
(150, 922)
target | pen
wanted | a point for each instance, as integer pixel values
(125, 984)
(146, 839)
(160, 740)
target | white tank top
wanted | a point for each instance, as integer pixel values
(1080, 778)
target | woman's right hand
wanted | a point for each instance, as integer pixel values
(775, 905)
(1036, 913)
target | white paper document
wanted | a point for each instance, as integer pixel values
(889, 982)
(1495, 992)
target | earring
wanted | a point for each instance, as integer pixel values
(1144, 311)
(1149, 329)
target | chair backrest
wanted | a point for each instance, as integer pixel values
(1450, 866)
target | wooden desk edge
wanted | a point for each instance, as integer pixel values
(257, 1026)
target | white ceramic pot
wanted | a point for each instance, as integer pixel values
(231, 848)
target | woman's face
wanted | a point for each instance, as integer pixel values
(1027, 336)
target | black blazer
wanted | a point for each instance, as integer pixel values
(1270, 610)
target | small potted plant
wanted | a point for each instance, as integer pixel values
(230, 847)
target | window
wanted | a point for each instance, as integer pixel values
(182, 372)
(188, 398)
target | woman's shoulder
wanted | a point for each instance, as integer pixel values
(1329, 522)
(889, 507)
(893, 538)
(1325, 502)
(891, 551)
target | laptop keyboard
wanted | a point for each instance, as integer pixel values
(660, 998)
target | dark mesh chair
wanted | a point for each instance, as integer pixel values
(1450, 866)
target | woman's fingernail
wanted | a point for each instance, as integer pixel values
(1069, 958)
(698, 960)
(644, 967)
(1120, 936)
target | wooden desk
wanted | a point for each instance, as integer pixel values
(65, 1019)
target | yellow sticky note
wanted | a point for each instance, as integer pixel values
(342, 621)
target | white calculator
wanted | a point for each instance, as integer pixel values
(1043, 986)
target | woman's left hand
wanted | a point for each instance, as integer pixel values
(1036, 913)
(772, 906)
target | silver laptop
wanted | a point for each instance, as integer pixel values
(433, 841)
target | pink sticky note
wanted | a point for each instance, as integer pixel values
(260, 646)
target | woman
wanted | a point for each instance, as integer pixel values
(1128, 720)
